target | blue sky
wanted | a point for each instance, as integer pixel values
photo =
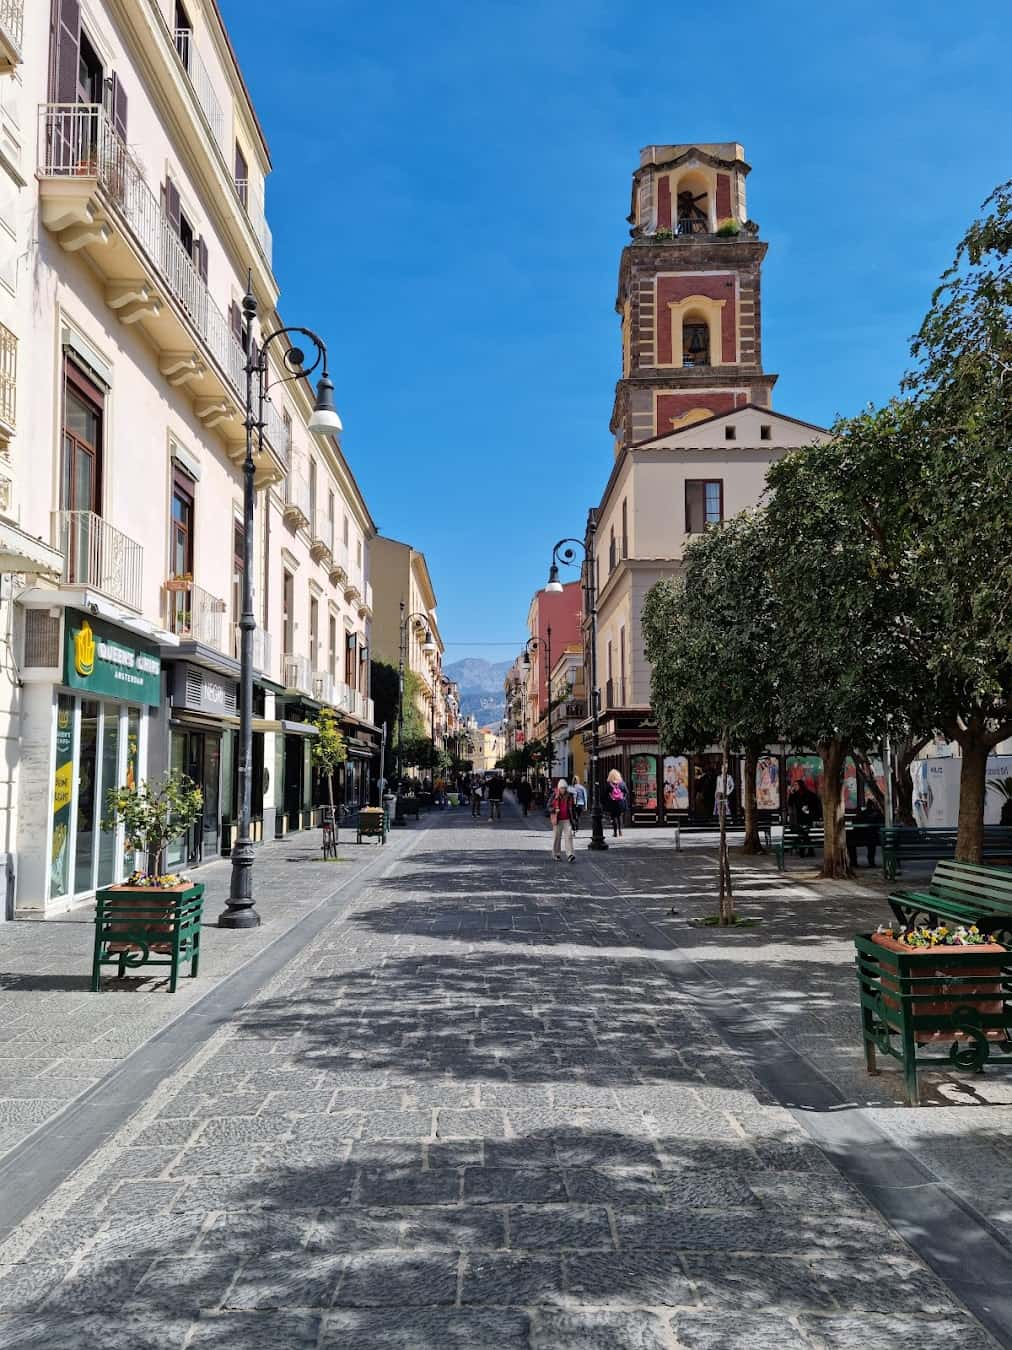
(448, 204)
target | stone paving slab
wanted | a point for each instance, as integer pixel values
(57, 1038)
(493, 1134)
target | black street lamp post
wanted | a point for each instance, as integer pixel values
(566, 553)
(239, 911)
(545, 642)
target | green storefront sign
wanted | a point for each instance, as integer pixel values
(98, 661)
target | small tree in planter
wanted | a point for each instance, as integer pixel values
(329, 749)
(153, 814)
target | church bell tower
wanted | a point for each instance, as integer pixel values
(688, 294)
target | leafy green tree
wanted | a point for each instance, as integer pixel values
(329, 750)
(711, 640)
(153, 814)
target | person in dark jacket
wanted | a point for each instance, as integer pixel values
(524, 795)
(866, 830)
(804, 810)
(496, 788)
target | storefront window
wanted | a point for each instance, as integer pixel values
(86, 797)
(109, 779)
(176, 850)
(63, 791)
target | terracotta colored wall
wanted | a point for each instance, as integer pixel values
(723, 197)
(562, 613)
(715, 287)
(676, 405)
(664, 204)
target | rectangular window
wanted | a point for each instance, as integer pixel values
(351, 660)
(241, 176)
(312, 493)
(288, 611)
(704, 503)
(625, 530)
(314, 630)
(621, 666)
(81, 471)
(730, 434)
(346, 531)
(238, 568)
(765, 432)
(181, 550)
(332, 662)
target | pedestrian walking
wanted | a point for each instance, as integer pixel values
(579, 795)
(495, 791)
(476, 796)
(561, 815)
(804, 810)
(524, 795)
(616, 802)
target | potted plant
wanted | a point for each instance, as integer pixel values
(153, 814)
(728, 229)
(946, 986)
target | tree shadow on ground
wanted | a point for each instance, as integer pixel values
(558, 1238)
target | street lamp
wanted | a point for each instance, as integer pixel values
(565, 551)
(324, 421)
(427, 646)
(547, 644)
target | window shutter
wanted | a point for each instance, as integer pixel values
(173, 208)
(119, 108)
(235, 321)
(67, 24)
(202, 259)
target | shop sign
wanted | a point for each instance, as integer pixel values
(98, 661)
(203, 691)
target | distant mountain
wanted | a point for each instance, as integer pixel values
(481, 691)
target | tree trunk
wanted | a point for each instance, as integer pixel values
(154, 856)
(751, 844)
(330, 788)
(835, 862)
(975, 746)
(726, 893)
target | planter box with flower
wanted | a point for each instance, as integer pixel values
(152, 918)
(925, 987)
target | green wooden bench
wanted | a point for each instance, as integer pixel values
(794, 840)
(965, 893)
(911, 1002)
(713, 827)
(138, 926)
(372, 824)
(901, 842)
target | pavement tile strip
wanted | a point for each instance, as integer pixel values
(477, 1109)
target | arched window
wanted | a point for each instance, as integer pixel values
(693, 216)
(695, 339)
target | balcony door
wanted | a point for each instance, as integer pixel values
(81, 478)
(181, 551)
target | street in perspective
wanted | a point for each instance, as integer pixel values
(505, 677)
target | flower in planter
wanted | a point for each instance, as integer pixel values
(942, 936)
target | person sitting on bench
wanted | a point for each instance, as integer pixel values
(866, 830)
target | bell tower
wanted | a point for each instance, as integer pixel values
(688, 294)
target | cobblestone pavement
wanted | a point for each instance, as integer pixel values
(57, 1038)
(486, 1107)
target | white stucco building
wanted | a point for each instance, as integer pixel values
(132, 171)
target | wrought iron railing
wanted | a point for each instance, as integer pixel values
(692, 227)
(193, 613)
(324, 687)
(8, 376)
(97, 555)
(12, 20)
(200, 81)
(78, 140)
(321, 532)
(298, 673)
(261, 647)
(297, 496)
(254, 209)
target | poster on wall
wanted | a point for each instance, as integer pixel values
(643, 772)
(998, 794)
(767, 783)
(676, 783)
(807, 769)
(63, 789)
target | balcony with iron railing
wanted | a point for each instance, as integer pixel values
(12, 23)
(365, 604)
(324, 687)
(193, 614)
(321, 537)
(296, 507)
(95, 198)
(261, 648)
(256, 216)
(200, 81)
(99, 557)
(339, 564)
(297, 673)
(8, 380)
